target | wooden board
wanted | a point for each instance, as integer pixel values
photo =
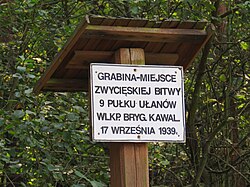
(82, 59)
(144, 34)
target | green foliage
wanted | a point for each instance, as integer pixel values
(44, 139)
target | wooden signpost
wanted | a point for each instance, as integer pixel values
(129, 161)
(123, 41)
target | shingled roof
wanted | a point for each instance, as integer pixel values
(167, 42)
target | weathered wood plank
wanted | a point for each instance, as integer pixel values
(161, 58)
(82, 59)
(103, 44)
(201, 24)
(156, 47)
(174, 23)
(172, 47)
(144, 34)
(66, 85)
(141, 23)
(108, 44)
(93, 56)
(122, 43)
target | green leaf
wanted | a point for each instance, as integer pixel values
(22, 184)
(97, 184)
(17, 75)
(79, 174)
(78, 185)
(244, 45)
(22, 57)
(72, 117)
(28, 91)
(211, 100)
(230, 118)
(58, 176)
(79, 108)
(223, 78)
(31, 76)
(18, 114)
(21, 69)
(58, 125)
(51, 167)
(30, 112)
(92, 182)
(1, 121)
(165, 162)
(5, 159)
(134, 10)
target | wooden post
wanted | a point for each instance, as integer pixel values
(129, 161)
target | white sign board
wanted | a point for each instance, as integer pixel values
(132, 103)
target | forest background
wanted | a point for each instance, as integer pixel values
(44, 139)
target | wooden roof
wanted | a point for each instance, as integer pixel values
(169, 42)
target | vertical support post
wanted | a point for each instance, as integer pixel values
(129, 161)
